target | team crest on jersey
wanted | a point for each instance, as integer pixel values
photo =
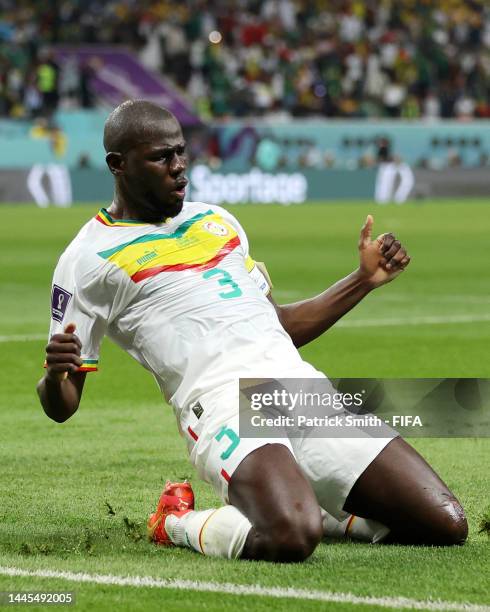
(215, 228)
(59, 301)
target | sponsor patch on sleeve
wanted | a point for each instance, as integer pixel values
(60, 298)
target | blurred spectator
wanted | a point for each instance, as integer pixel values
(431, 106)
(47, 74)
(394, 179)
(32, 98)
(86, 96)
(84, 161)
(58, 140)
(342, 58)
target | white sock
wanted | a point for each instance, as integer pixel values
(353, 527)
(215, 533)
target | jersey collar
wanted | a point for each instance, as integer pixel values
(105, 218)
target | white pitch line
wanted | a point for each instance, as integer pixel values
(417, 320)
(401, 603)
(287, 293)
(23, 337)
(393, 322)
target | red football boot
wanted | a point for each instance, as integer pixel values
(178, 499)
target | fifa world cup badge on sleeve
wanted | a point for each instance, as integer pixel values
(60, 299)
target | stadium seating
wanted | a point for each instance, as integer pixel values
(409, 59)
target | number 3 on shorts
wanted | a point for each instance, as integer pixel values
(225, 281)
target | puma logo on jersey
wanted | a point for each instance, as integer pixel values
(147, 257)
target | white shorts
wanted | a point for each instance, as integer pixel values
(332, 465)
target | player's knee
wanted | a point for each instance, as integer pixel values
(453, 528)
(294, 539)
(447, 525)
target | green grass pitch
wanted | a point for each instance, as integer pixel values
(75, 496)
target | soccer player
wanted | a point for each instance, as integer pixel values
(173, 283)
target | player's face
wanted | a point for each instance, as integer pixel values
(155, 173)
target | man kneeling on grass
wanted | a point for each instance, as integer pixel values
(172, 282)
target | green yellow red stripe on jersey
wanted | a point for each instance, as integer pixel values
(105, 218)
(199, 243)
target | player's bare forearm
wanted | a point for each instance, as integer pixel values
(306, 320)
(380, 261)
(60, 389)
(60, 398)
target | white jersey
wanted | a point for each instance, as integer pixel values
(183, 297)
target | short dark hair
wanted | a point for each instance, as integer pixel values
(132, 122)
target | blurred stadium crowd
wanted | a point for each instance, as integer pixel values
(338, 58)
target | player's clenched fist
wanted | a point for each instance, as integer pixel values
(394, 254)
(383, 259)
(63, 353)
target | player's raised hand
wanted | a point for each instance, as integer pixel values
(382, 259)
(63, 353)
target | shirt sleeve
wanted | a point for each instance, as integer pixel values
(84, 297)
(256, 269)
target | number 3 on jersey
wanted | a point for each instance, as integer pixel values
(233, 290)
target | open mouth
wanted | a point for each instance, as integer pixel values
(180, 189)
